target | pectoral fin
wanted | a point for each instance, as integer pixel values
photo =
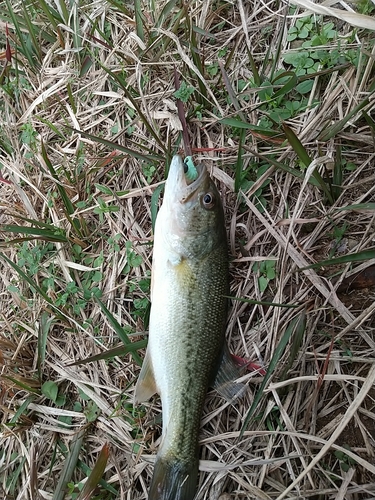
(228, 372)
(146, 386)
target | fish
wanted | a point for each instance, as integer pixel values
(186, 352)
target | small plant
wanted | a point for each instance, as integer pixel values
(104, 208)
(315, 39)
(266, 272)
(184, 92)
(51, 391)
(141, 304)
(114, 242)
(346, 462)
(28, 137)
(133, 259)
(338, 236)
(149, 172)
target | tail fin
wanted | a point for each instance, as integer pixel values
(173, 480)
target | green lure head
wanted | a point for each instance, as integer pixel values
(190, 169)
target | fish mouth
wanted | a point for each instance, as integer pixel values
(179, 184)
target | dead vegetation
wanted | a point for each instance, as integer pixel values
(88, 123)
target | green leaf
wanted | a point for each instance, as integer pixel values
(50, 390)
(92, 411)
(60, 400)
(184, 92)
(305, 87)
(263, 283)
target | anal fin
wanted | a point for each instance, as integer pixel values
(228, 372)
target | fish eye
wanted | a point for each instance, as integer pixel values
(208, 200)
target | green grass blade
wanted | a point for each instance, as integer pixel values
(288, 86)
(297, 146)
(336, 187)
(296, 342)
(139, 20)
(231, 92)
(22, 385)
(25, 277)
(42, 233)
(52, 15)
(358, 206)
(166, 11)
(106, 486)
(53, 127)
(254, 68)
(262, 302)
(96, 474)
(111, 353)
(276, 54)
(279, 351)
(23, 47)
(370, 122)
(45, 323)
(115, 145)
(69, 466)
(154, 205)
(119, 330)
(302, 154)
(31, 31)
(239, 162)
(64, 11)
(125, 87)
(330, 132)
(69, 207)
(281, 166)
(182, 117)
(345, 259)
(22, 409)
(234, 122)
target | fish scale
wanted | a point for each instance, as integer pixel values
(187, 323)
(187, 364)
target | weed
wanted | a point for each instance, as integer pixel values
(104, 208)
(51, 391)
(266, 272)
(346, 462)
(184, 92)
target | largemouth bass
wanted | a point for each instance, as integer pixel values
(187, 324)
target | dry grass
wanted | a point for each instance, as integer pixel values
(311, 434)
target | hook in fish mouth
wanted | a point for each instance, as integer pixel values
(178, 181)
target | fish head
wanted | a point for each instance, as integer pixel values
(192, 210)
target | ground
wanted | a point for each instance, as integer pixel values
(278, 102)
